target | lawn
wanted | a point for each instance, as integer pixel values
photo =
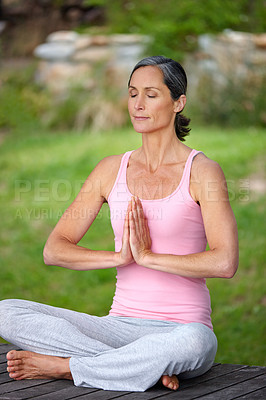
(42, 173)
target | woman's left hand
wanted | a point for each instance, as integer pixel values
(140, 240)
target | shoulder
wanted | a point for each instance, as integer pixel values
(109, 164)
(204, 169)
(207, 179)
(104, 174)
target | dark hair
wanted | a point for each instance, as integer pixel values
(176, 80)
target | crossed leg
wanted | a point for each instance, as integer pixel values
(30, 365)
(46, 360)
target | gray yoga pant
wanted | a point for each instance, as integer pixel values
(110, 352)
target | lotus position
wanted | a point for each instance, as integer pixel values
(167, 201)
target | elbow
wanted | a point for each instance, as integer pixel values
(48, 255)
(230, 272)
(230, 267)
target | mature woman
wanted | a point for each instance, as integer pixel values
(166, 201)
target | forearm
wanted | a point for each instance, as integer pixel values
(208, 264)
(72, 256)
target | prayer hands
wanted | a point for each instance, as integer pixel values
(136, 242)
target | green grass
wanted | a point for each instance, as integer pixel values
(42, 173)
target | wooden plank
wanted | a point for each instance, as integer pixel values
(68, 393)
(16, 385)
(225, 382)
(214, 385)
(5, 378)
(212, 374)
(6, 347)
(49, 388)
(2, 358)
(103, 395)
(155, 392)
(239, 389)
(258, 395)
(3, 368)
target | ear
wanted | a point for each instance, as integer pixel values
(180, 103)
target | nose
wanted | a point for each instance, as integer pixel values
(139, 103)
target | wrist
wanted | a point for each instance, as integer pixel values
(121, 260)
(145, 260)
(118, 261)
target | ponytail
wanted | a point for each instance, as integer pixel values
(181, 126)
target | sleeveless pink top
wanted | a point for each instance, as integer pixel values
(176, 227)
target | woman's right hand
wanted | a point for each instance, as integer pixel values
(125, 255)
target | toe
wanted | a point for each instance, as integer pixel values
(170, 385)
(12, 363)
(14, 368)
(171, 382)
(11, 355)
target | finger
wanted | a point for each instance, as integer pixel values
(134, 212)
(125, 237)
(141, 214)
(132, 226)
(129, 206)
(137, 221)
(126, 227)
(133, 203)
(141, 218)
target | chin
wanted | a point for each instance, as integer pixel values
(140, 129)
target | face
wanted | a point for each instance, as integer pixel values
(150, 105)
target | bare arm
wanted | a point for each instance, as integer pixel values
(62, 247)
(220, 227)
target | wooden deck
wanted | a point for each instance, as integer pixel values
(223, 381)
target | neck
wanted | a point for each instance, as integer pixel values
(159, 149)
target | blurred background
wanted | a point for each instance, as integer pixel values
(64, 67)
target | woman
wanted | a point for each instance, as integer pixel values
(166, 202)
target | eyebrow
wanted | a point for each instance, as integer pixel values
(147, 88)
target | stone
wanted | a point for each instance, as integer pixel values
(100, 40)
(257, 58)
(128, 39)
(237, 38)
(54, 51)
(260, 40)
(93, 54)
(83, 41)
(63, 36)
(59, 76)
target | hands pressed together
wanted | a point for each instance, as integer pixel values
(136, 241)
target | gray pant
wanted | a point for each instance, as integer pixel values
(111, 353)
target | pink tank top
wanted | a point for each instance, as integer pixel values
(176, 227)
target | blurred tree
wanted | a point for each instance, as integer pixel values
(175, 24)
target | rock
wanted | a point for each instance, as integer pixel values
(128, 39)
(59, 76)
(260, 40)
(83, 41)
(93, 54)
(63, 36)
(257, 59)
(54, 51)
(68, 59)
(226, 59)
(237, 38)
(100, 40)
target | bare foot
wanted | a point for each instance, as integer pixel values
(29, 365)
(171, 382)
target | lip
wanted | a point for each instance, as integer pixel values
(139, 118)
